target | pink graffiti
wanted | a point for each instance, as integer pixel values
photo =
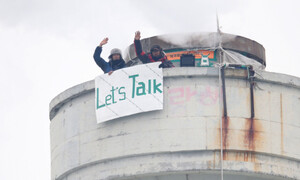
(180, 95)
(209, 96)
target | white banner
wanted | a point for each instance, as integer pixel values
(129, 91)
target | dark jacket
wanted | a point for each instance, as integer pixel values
(148, 58)
(107, 66)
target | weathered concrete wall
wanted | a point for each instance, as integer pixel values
(183, 140)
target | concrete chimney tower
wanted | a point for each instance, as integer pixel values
(225, 118)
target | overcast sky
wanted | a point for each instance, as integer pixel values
(46, 47)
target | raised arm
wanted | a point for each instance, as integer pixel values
(100, 61)
(138, 48)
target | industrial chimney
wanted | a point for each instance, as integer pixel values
(224, 117)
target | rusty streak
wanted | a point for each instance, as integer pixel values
(281, 125)
(225, 118)
(225, 121)
(254, 136)
(250, 122)
(246, 156)
(225, 131)
(250, 135)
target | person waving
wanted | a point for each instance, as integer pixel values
(115, 58)
(156, 53)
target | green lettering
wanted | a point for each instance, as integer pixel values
(133, 84)
(142, 87)
(113, 94)
(107, 98)
(149, 86)
(155, 87)
(124, 94)
(98, 107)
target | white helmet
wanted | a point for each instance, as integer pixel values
(115, 51)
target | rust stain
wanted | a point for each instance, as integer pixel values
(242, 156)
(225, 155)
(249, 136)
(225, 132)
(252, 139)
(225, 125)
(281, 125)
(209, 164)
(225, 121)
(245, 156)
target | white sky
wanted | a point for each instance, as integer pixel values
(46, 47)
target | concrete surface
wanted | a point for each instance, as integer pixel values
(183, 140)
